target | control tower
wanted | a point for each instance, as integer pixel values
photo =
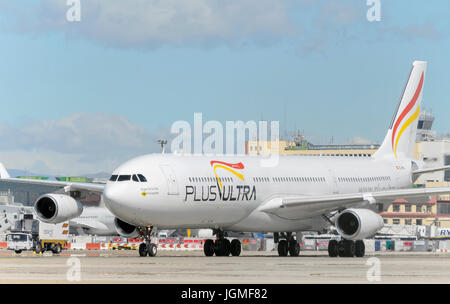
(424, 132)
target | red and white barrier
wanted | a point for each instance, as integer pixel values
(78, 246)
(93, 246)
(187, 247)
(133, 244)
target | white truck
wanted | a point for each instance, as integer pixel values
(32, 235)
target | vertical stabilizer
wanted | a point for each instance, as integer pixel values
(3, 172)
(401, 136)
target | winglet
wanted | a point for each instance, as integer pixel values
(3, 172)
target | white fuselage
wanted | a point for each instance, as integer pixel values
(227, 192)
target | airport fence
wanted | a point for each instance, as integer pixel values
(248, 244)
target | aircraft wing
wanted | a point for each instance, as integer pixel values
(75, 222)
(68, 186)
(300, 207)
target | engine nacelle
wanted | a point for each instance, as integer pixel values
(57, 208)
(126, 230)
(357, 224)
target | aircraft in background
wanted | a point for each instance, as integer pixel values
(94, 221)
(238, 194)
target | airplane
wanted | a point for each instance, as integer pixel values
(94, 221)
(238, 194)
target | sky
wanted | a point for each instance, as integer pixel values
(82, 97)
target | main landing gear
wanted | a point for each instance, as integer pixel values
(147, 247)
(222, 246)
(288, 245)
(346, 248)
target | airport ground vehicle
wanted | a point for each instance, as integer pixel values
(30, 234)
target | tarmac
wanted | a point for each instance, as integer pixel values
(192, 267)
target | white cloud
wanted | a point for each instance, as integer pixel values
(314, 26)
(153, 23)
(78, 144)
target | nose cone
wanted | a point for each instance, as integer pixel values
(108, 193)
(115, 200)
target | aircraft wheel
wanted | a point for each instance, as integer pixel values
(294, 248)
(333, 248)
(282, 248)
(18, 251)
(360, 249)
(346, 248)
(222, 247)
(208, 248)
(142, 250)
(235, 247)
(218, 248)
(227, 247)
(152, 250)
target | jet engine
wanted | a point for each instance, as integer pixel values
(357, 224)
(57, 208)
(126, 230)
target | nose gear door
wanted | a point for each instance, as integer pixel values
(172, 184)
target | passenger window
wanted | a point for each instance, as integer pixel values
(142, 178)
(113, 178)
(135, 178)
(124, 178)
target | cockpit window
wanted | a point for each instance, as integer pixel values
(142, 178)
(135, 177)
(124, 178)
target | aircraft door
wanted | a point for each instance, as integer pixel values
(172, 184)
(333, 182)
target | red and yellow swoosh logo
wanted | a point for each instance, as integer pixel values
(405, 112)
(229, 167)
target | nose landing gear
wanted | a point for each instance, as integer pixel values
(147, 248)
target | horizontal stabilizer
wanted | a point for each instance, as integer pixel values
(429, 170)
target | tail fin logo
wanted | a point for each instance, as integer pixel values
(405, 112)
(229, 167)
